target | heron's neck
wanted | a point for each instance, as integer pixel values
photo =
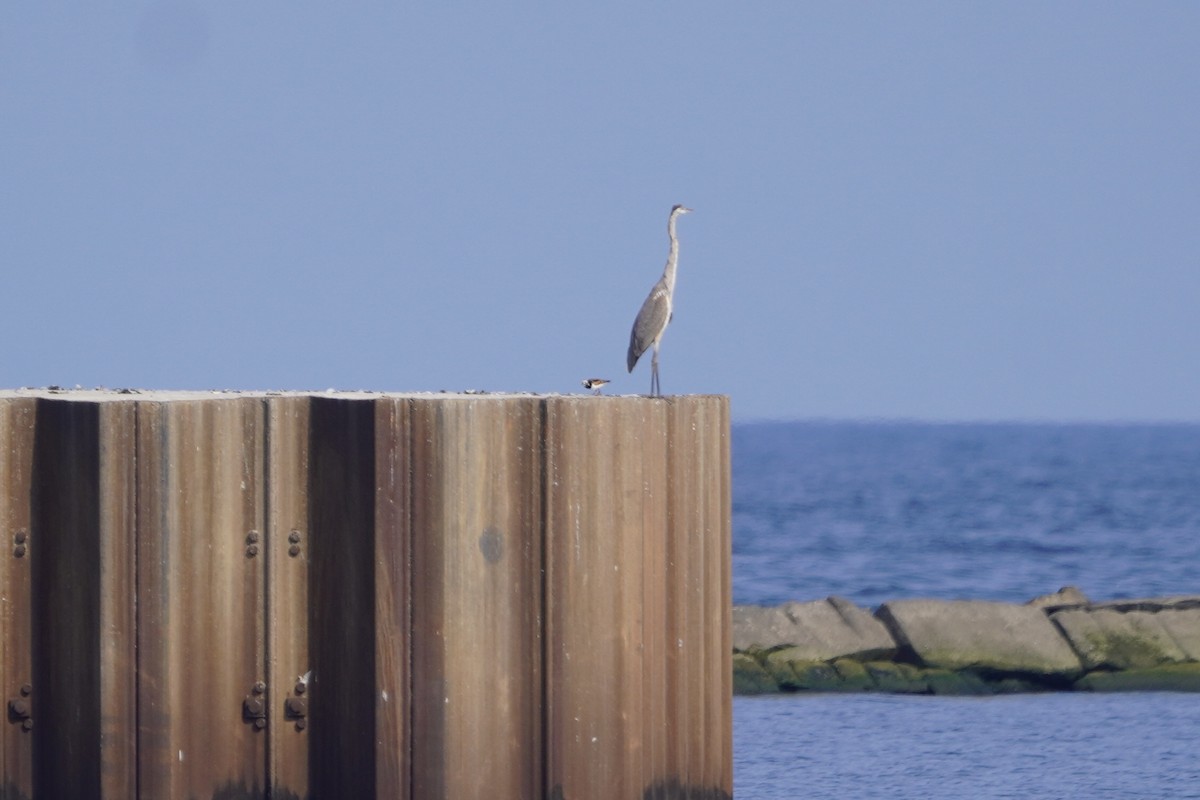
(672, 256)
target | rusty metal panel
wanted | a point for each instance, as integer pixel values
(393, 504)
(476, 597)
(82, 514)
(287, 550)
(17, 418)
(65, 505)
(201, 659)
(118, 609)
(699, 602)
(341, 600)
(606, 509)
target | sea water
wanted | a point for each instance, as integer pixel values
(894, 747)
(884, 511)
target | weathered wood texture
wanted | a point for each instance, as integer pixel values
(352, 595)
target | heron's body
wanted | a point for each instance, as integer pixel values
(657, 310)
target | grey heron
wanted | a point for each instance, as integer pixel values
(656, 312)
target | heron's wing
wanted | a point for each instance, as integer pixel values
(650, 323)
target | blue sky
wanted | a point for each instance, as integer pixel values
(931, 210)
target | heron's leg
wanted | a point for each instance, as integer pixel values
(655, 387)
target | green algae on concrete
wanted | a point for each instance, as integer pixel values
(1164, 678)
(955, 682)
(803, 676)
(854, 675)
(749, 677)
(896, 677)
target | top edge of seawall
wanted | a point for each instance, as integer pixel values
(166, 395)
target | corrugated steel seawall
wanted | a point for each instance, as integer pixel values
(214, 595)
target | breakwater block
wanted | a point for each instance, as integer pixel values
(1111, 640)
(979, 635)
(1060, 641)
(1133, 634)
(821, 630)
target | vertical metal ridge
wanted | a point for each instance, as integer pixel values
(135, 520)
(543, 610)
(268, 548)
(408, 595)
(392, 597)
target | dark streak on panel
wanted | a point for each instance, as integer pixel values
(342, 597)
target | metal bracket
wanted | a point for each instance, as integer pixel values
(254, 707)
(296, 708)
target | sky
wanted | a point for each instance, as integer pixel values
(943, 211)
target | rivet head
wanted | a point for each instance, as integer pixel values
(294, 550)
(259, 724)
(301, 724)
(26, 690)
(251, 537)
(301, 687)
(27, 724)
(294, 537)
(19, 551)
(259, 687)
(20, 537)
(251, 550)
(19, 708)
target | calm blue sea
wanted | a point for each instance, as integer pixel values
(880, 511)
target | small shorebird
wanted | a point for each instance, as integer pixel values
(594, 384)
(657, 310)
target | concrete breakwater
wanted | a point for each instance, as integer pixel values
(1058, 642)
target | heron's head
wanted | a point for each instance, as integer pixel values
(678, 209)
